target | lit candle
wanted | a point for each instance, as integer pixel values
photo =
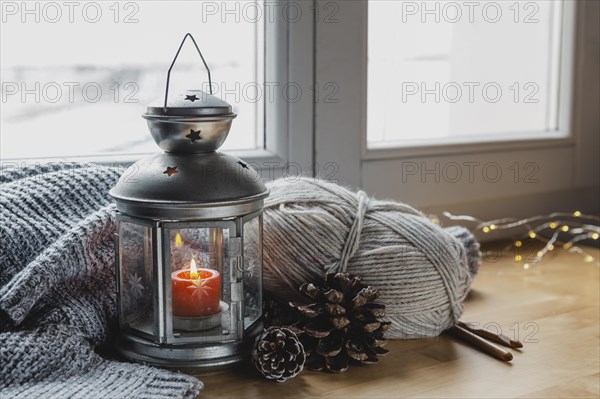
(196, 292)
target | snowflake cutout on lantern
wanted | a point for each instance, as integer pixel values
(200, 288)
(136, 287)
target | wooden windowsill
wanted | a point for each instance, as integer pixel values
(555, 303)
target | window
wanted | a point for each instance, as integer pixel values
(447, 71)
(76, 76)
(362, 134)
(541, 153)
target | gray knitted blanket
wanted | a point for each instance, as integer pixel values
(57, 295)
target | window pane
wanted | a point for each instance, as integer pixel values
(450, 71)
(79, 88)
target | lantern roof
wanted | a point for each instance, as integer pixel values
(184, 186)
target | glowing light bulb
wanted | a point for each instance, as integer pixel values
(540, 254)
(193, 269)
(576, 213)
(552, 225)
(486, 229)
(526, 266)
(550, 247)
(594, 236)
(565, 228)
(588, 259)
(567, 246)
(518, 244)
(532, 234)
(518, 258)
(493, 227)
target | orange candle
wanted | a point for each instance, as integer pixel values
(195, 292)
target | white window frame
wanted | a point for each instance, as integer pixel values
(289, 59)
(288, 125)
(340, 134)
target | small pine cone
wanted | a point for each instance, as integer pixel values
(342, 325)
(278, 354)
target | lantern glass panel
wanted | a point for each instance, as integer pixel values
(252, 271)
(202, 305)
(135, 278)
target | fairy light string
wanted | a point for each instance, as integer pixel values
(576, 226)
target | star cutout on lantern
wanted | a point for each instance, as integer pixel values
(194, 135)
(191, 97)
(243, 165)
(171, 170)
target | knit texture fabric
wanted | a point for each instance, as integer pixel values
(57, 290)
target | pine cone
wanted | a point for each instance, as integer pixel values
(342, 325)
(278, 354)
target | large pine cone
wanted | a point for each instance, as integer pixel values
(278, 354)
(342, 324)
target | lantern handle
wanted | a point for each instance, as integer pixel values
(173, 63)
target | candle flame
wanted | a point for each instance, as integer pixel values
(193, 269)
(178, 240)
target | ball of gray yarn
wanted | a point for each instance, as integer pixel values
(423, 272)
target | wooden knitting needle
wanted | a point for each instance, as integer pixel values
(481, 343)
(498, 338)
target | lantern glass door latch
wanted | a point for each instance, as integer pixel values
(189, 240)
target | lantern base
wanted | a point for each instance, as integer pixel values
(205, 356)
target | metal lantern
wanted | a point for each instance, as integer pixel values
(189, 240)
